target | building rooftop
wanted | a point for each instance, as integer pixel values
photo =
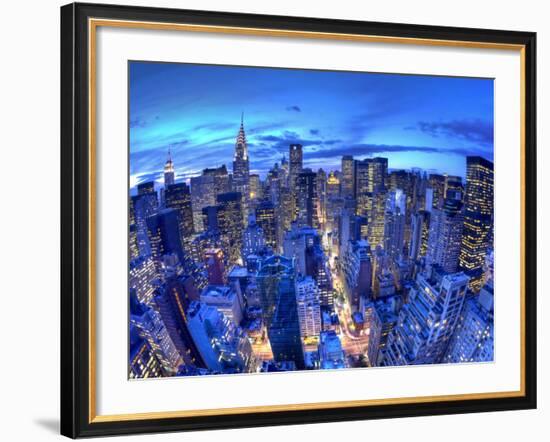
(238, 272)
(220, 292)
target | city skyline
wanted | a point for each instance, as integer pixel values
(414, 121)
(350, 264)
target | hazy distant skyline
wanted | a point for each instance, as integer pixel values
(415, 121)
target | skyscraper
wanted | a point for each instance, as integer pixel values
(478, 218)
(142, 274)
(356, 267)
(307, 198)
(266, 219)
(241, 168)
(427, 323)
(445, 235)
(347, 176)
(255, 187)
(172, 303)
(253, 239)
(420, 229)
(361, 191)
(144, 362)
(276, 282)
(321, 182)
(221, 179)
(394, 230)
(147, 187)
(473, 339)
(332, 202)
(437, 183)
(203, 194)
(169, 174)
(164, 235)
(370, 192)
(214, 263)
(453, 187)
(144, 205)
(227, 300)
(230, 224)
(178, 197)
(223, 346)
(378, 172)
(296, 243)
(295, 164)
(151, 328)
(309, 306)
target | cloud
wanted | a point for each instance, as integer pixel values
(293, 108)
(137, 122)
(366, 149)
(314, 131)
(472, 130)
(280, 143)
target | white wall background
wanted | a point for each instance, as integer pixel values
(29, 218)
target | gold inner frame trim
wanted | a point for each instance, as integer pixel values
(93, 24)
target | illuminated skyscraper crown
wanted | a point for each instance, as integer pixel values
(241, 150)
(169, 165)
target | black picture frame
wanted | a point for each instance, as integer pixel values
(75, 220)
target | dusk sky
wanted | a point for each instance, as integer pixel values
(415, 121)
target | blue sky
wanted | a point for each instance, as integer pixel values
(415, 121)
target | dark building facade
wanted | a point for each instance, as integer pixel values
(276, 282)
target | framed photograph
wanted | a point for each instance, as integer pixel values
(276, 220)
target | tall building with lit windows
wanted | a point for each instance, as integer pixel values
(361, 193)
(145, 188)
(214, 263)
(221, 179)
(266, 219)
(347, 176)
(178, 197)
(378, 172)
(222, 345)
(253, 239)
(322, 184)
(394, 231)
(437, 184)
(370, 193)
(444, 240)
(164, 236)
(309, 306)
(276, 283)
(307, 198)
(241, 168)
(169, 173)
(478, 218)
(172, 302)
(230, 224)
(151, 328)
(420, 230)
(427, 322)
(143, 363)
(473, 340)
(202, 195)
(295, 164)
(144, 205)
(453, 187)
(141, 278)
(357, 270)
(332, 201)
(255, 187)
